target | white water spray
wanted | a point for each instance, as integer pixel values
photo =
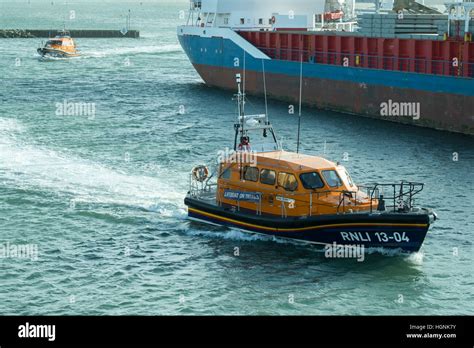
(29, 166)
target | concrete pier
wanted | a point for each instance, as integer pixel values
(75, 33)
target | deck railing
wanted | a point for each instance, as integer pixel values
(396, 197)
(416, 65)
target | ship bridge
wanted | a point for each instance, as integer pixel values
(255, 14)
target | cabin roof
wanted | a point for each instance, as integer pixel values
(295, 161)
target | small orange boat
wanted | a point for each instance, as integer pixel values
(61, 46)
(260, 188)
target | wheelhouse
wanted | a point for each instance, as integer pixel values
(62, 45)
(61, 41)
(295, 184)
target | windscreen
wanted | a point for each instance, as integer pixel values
(311, 181)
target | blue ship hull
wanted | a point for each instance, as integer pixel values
(446, 102)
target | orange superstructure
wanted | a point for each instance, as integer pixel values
(300, 185)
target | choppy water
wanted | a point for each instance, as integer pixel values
(102, 197)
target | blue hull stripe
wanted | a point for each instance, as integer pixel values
(220, 52)
(368, 236)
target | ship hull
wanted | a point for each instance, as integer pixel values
(443, 102)
(442, 111)
(404, 231)
(53, 53)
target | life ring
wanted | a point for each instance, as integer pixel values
(273, 20)
(200, 173)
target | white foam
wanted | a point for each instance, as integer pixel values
(10, 125)
(385, 251)
(131, 50)
(239, 235)
(230, 234)
(416, 258)
(31, 166)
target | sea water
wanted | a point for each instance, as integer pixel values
(100, 194)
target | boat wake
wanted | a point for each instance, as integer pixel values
(415, 259)
(33, 167)
(54, 59)
(234, 234)
(131, 51)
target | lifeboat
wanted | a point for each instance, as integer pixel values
(61, 46)
(259, 188)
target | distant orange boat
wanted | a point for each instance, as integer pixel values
(61, 46)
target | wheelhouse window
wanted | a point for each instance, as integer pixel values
(287, 181)
(260, 21)
(251, 174)
(332, 179)
(268, 177)
(242, 21)
(347, 178)
(351, 182)
(54, 42)
(311, 181)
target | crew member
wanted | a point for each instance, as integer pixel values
(244, 144)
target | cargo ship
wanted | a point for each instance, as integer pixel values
(409, 64)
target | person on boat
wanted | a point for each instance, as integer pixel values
(244, 144)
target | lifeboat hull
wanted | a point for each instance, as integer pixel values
(404, 231)
(53, 53)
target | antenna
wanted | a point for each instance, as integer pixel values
(245, 78)
(238, 79)
(301, 95)
(239, 127)
(64, 18)
(265, 90)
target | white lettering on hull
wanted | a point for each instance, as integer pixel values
(381, 237)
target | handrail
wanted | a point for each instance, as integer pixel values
(413, 189)
(406, 64)
(402, 197)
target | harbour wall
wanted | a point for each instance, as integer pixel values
(75, 33)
